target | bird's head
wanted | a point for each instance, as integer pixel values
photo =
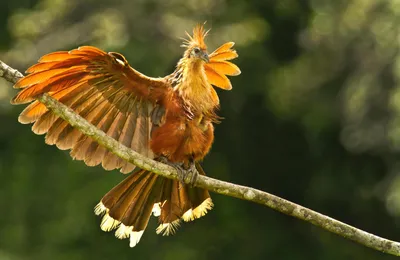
(216, 65)
(199, 54)
(196, 49)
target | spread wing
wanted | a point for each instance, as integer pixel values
(103, 89)
(219, 66)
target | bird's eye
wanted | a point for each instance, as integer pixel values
(196, 50)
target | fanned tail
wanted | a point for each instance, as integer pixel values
(128, 206)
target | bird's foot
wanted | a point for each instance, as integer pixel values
(193, 174)
(188, 173)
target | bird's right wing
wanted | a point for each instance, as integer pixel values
(102, 88)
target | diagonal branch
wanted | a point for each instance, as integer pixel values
(225, 188)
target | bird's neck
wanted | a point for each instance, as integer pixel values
(193, 86)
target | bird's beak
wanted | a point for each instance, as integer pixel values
(205, 57)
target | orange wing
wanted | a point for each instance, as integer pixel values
(103, 89)
(219, 66)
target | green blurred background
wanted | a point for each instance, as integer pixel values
(314, 118)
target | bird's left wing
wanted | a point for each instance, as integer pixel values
(103, 89)
(219, 66)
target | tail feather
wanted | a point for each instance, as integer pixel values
(173, 207)
(128, 206)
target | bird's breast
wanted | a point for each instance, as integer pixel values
(181, 139)
(197, 93)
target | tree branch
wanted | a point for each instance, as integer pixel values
(225, 188)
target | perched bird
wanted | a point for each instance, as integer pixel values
(169, 119)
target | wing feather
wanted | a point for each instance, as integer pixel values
(102, 88)
(224, 47)
(55, 56)
(219, 66)
(218, 80)
(111, 161)
(39, 67)
(222, 56)
(224, 67)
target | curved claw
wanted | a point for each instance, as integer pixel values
(189, 174)
(193, 174)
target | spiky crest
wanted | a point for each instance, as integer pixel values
(197, 40)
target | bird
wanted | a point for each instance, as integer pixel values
(169, 119)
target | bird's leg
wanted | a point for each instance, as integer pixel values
(193, 172)
(185, 172)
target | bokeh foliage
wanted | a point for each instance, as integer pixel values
(314, 118)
